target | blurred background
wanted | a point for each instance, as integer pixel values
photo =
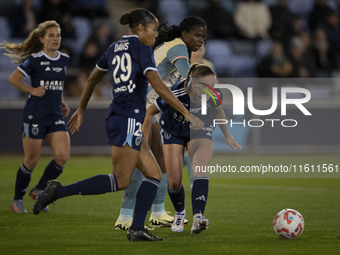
(246, 39)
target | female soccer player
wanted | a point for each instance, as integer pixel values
(173, 48)
(176, 136)
(45, 108)
(131, 64)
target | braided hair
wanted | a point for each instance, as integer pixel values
(168, 34)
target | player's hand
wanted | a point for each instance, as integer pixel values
(39, 91)
(232, 142)
(65, 109)
(75, 121)
(195, 123)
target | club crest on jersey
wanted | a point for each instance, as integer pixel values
(25, 63)
(138, 141)
(35, 129)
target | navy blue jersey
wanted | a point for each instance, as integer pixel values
(174, 122)
(50, 73)
(128, 60)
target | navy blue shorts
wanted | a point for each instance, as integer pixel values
(39, 129)
(168, 138)
(121, 130)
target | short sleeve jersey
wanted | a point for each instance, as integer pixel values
(174, 122)
(50, 73)
(165, 56)
(128, 60)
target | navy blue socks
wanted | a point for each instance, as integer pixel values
(199, 194)
(22, 181)
(95, 185)
(52, 171)
(144, 199)
(177, 198)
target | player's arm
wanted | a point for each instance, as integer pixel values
(16, 80)
(150, 112)
(164, 92)
(183, 66)
(77, 118)
(224, 128)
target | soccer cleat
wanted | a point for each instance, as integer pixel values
(164, 220)
(46, 197)
(34, 194)
(178, 223)
(141, 235)
(125, 225)
(200, 223)
(18, 206)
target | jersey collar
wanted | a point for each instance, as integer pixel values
(50, 58)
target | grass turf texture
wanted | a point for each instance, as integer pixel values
(240, 213)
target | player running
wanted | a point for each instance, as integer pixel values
(172, 52)
(45, 109)
(131, 64)
(176, 136)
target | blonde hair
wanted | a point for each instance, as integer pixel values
(197, 71)
(32, 44)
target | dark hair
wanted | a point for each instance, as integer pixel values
(197, 71)
(136, 17)
(168, 34)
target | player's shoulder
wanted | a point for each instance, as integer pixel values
(63, 55)
(175, 42)
(178, 88)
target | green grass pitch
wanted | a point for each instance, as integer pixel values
(240, 211)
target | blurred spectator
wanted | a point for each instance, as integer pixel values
(23, 20)
(91, 9)
(324, 55)
(219, 21)
(303, 66)
(253, 19)
(332, 30)
(76, 87)
(281, 18)
(276, 64)
(102, 36)
(318, 14)
(296, 28)
(89, 56)
(60, 11)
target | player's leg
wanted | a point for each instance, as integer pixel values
(124, 220)
(145, 195)
(32, 149)
(173, 154)
(60, 144)
(200, 151)
(159, 217)
(124, 161)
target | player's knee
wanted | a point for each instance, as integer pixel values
(61, 158)
(174, 184)
(31, 162)
(123, 182)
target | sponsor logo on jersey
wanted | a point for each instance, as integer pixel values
(48, 69)
(59, 122)
(129, 88)
(44, 63)
(57, 69)
(52, 85)
(25, 63)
